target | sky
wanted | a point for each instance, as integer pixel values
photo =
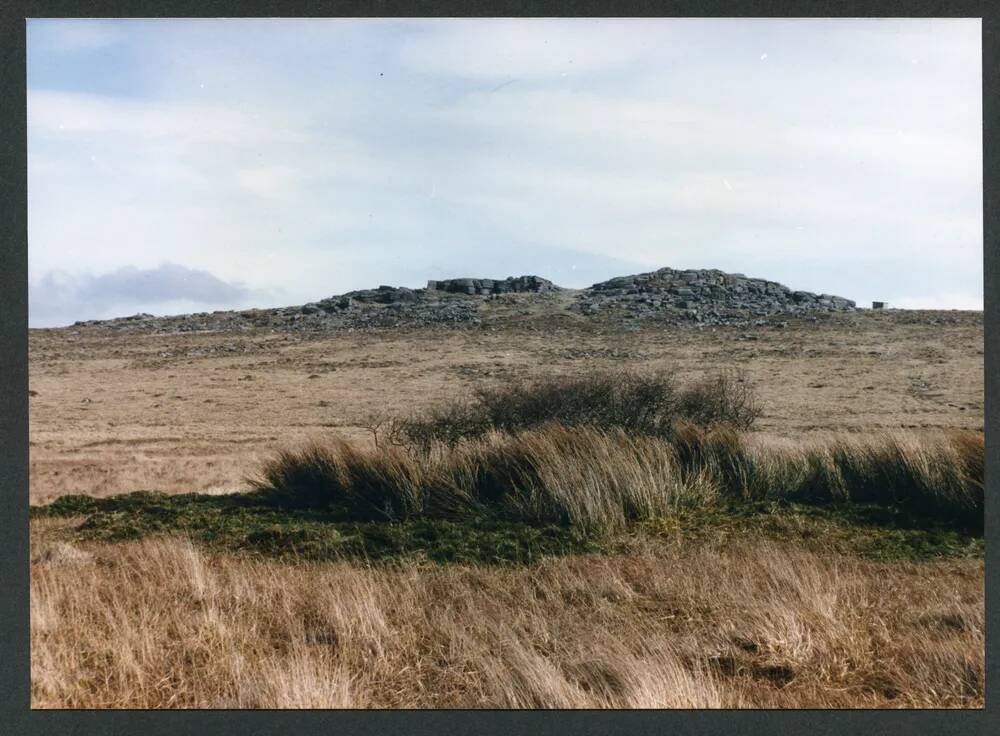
(193, 165)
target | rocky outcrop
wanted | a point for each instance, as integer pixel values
(665, 296)
(707, 296)
(487, 287)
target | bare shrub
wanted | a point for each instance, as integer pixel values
(642, 403)
(725, 398)
(384, 428)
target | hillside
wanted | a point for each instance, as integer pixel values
(669, 296)
(147, 433)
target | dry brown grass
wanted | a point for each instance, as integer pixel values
(588, 478)
(165, 624)
(600, 479)
(114, 412)
(161, 624)
(932, 475)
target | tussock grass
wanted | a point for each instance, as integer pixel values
(587, 478)
(936, 477)
(596, 480)
(598, 451)
(361, 485)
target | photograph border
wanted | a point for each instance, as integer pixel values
(16, 715)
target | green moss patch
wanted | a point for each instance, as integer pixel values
(247, 523)
(868, 531)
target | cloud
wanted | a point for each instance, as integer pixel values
(80, 35)
(951, 300)
(70, 114)
(60, 298)
(323, 156)
(521, 48)
(270, 182)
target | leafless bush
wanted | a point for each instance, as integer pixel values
(636, 402)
